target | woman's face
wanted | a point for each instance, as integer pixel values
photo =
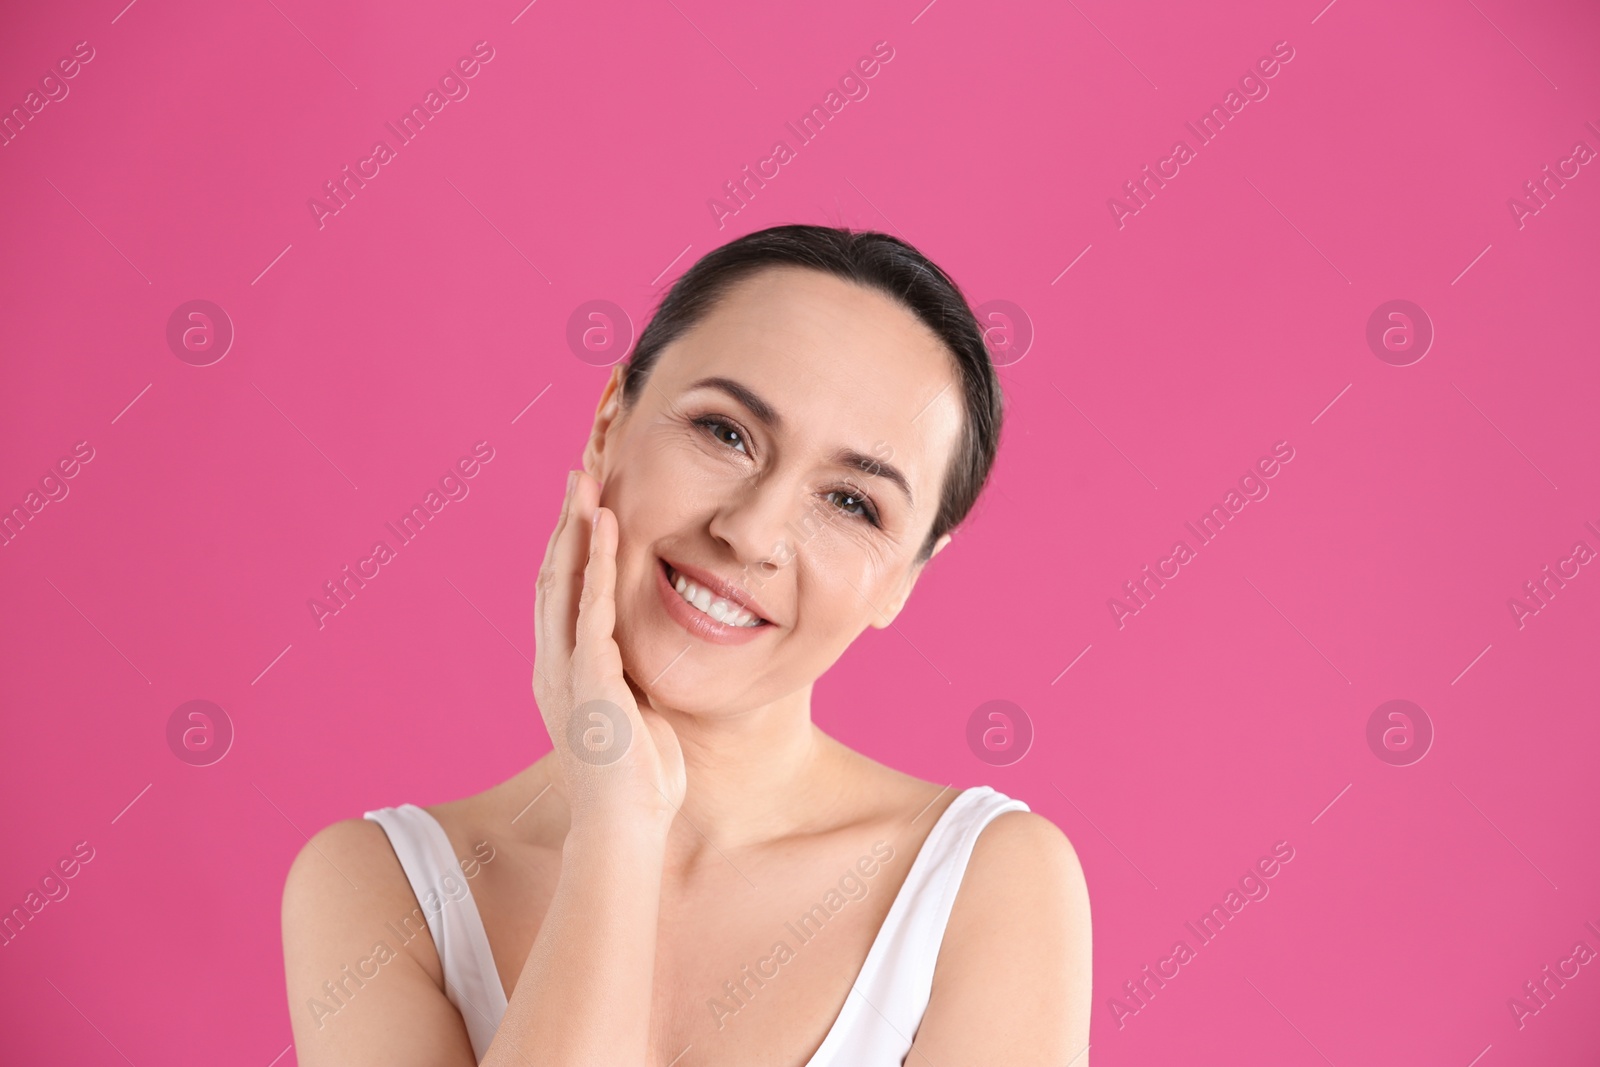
(792, 445)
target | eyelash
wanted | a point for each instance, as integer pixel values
(709, 424)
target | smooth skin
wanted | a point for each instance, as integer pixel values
(620, 897)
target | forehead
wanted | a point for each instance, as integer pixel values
(841, 363)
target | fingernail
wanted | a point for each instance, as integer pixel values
(572, 476)
(594, 520)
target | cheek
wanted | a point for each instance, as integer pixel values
(842, 583)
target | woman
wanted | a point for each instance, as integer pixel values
(695, 875)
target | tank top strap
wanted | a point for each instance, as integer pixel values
(470, 979)
(891, 994)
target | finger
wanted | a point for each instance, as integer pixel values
(544, 638)
(566, 567)
(596, 660)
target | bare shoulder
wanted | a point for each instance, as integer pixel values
(364, 981)
(1022, 851)
(348, 866)
(1012, 982)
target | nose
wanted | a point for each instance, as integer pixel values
(757, 521)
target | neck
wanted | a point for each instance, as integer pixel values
(752, 776)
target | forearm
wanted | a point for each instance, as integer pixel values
(583, 996)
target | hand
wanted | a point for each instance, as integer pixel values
(618, 763)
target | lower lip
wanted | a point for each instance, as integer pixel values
(698, 622)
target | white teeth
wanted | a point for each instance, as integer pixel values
(724, 611)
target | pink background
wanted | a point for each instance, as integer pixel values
(1227, 715)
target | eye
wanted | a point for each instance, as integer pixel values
(721, 429)
(856, 503)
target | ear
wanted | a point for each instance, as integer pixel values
(883, 618)
(605, 416)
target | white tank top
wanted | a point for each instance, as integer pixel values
(884, 1007)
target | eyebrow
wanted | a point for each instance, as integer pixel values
(768, 416)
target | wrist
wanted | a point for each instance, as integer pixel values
(636, 833)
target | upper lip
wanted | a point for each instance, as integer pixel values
(719, 587)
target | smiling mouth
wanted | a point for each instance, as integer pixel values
(715, 608)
